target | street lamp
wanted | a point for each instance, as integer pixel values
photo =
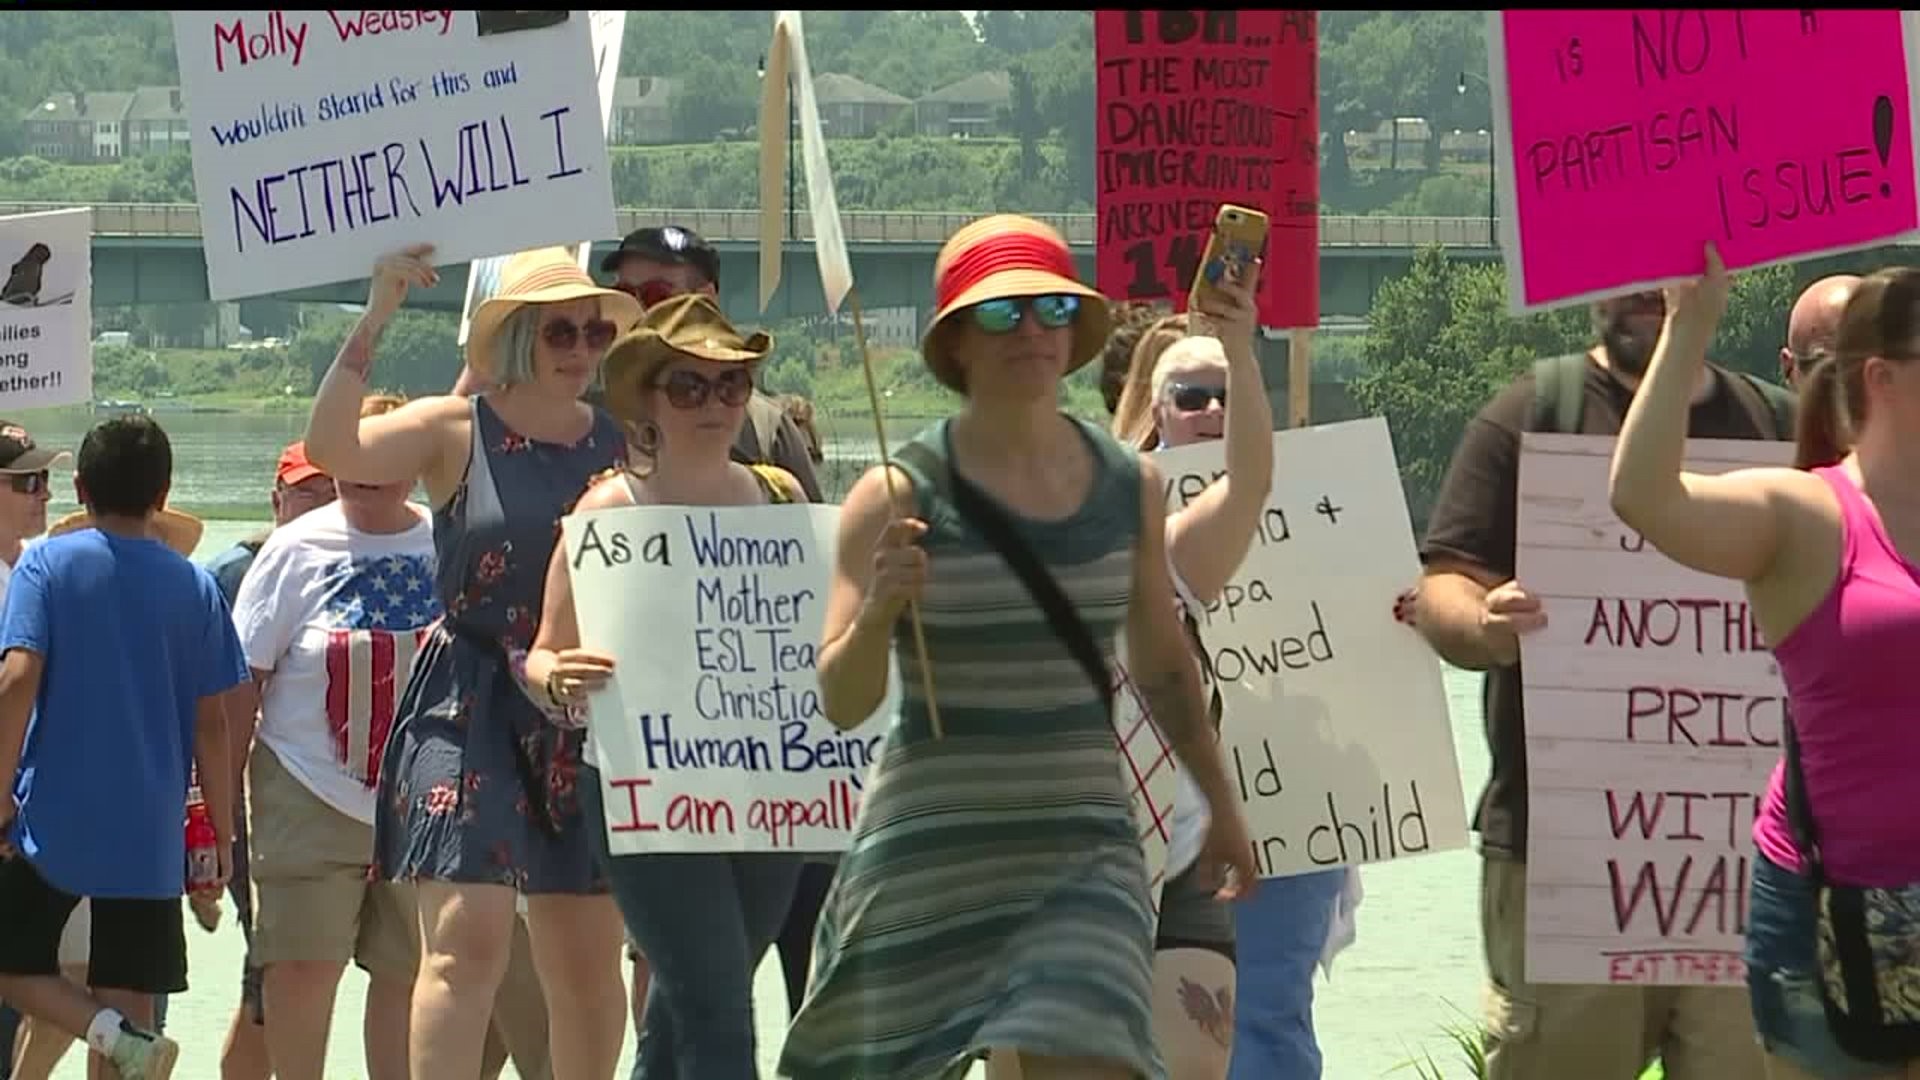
(1493, 239)
(793, 208)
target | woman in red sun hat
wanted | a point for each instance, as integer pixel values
(994, 896)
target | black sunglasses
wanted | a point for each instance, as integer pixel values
(1189, 398)
(28, 483)
(564, 334)
(690, 389)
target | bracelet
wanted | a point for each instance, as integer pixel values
(553, 694)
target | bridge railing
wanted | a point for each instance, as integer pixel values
(861, 226)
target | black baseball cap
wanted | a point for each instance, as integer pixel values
(18, 454)
(667, 244)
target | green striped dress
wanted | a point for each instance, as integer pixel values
(994, 894)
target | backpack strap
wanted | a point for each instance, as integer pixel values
(781, 486)
(1559, 393)
(1779, 402)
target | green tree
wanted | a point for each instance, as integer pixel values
(1755, 325)
(1440, 343)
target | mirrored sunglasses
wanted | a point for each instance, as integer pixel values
(1003, 315)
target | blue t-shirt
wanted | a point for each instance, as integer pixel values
(132, 637)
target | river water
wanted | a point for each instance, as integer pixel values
(1414, 969)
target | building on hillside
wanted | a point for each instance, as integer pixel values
(976, 105)
(156, 122)
(851, 108)
(642, 111)
(79, 127)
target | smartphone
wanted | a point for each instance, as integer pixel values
(1239, 237)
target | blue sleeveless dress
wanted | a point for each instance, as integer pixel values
(994, 894)
(477, 786)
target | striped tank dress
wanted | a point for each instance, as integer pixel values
(994, 894)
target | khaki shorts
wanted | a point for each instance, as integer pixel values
(1559, 1031)
(311, 897)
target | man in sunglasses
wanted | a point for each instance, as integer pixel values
(656, 263)
(23, 515)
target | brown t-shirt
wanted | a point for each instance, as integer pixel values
(1474, 520)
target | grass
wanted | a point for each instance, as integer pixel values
(1468, 1041)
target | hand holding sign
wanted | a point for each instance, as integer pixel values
(395, 273)
(1694, 308)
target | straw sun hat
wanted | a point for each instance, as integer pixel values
(690, 324)
(1008, 255)
(548, 275)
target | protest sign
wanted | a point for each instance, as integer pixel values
(1197, 108)
(710, 735)
(46, 309)
(1629, 139)
(1335, 730)
(325, 139)
(1654, 714)
(787, 62)
(607, 29)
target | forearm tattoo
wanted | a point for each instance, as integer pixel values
(356, 353)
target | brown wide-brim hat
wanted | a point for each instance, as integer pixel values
(178, 530)
(1008, 255)
(690, 324)
(549, 275)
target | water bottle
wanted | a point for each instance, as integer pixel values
(203, 857)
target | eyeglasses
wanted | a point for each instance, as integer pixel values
(650, 292)
(1190, 398)
(564, 334)
(29, 483)
(1001, 316)
(690, 389)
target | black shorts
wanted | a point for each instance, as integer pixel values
(138, 945)
(1192, 917)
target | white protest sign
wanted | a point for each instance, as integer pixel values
(1335, 730)
(710, 735)
(608, 29)
(1654, 714)
(324, 139)
(46, 309)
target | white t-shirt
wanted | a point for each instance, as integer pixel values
(337, 616)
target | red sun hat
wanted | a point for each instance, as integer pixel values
(1008, 255)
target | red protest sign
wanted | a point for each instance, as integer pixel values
(1197, 108)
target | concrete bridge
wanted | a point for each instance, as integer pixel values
(150, 253)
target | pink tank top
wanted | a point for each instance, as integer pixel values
(1849, 669)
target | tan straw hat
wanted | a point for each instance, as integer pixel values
(690, 324)
(1008, 255)
(176, 529)
(549, 275)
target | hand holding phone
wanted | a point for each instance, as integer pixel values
(1239, 237)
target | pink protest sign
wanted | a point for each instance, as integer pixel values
(1629, 139)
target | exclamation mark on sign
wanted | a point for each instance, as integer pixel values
(1883, 136)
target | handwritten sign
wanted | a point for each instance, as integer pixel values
(323, 139)
(710, 736)
(46, 309)
(1335, 728)
(1654, 714)
(1674, 127)
(1197, 108)
(607, 29)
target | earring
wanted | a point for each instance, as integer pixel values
(643, 439)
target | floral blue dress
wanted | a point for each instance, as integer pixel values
(477, 785)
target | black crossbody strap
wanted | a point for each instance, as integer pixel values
(978, 509)
(1799, 809)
